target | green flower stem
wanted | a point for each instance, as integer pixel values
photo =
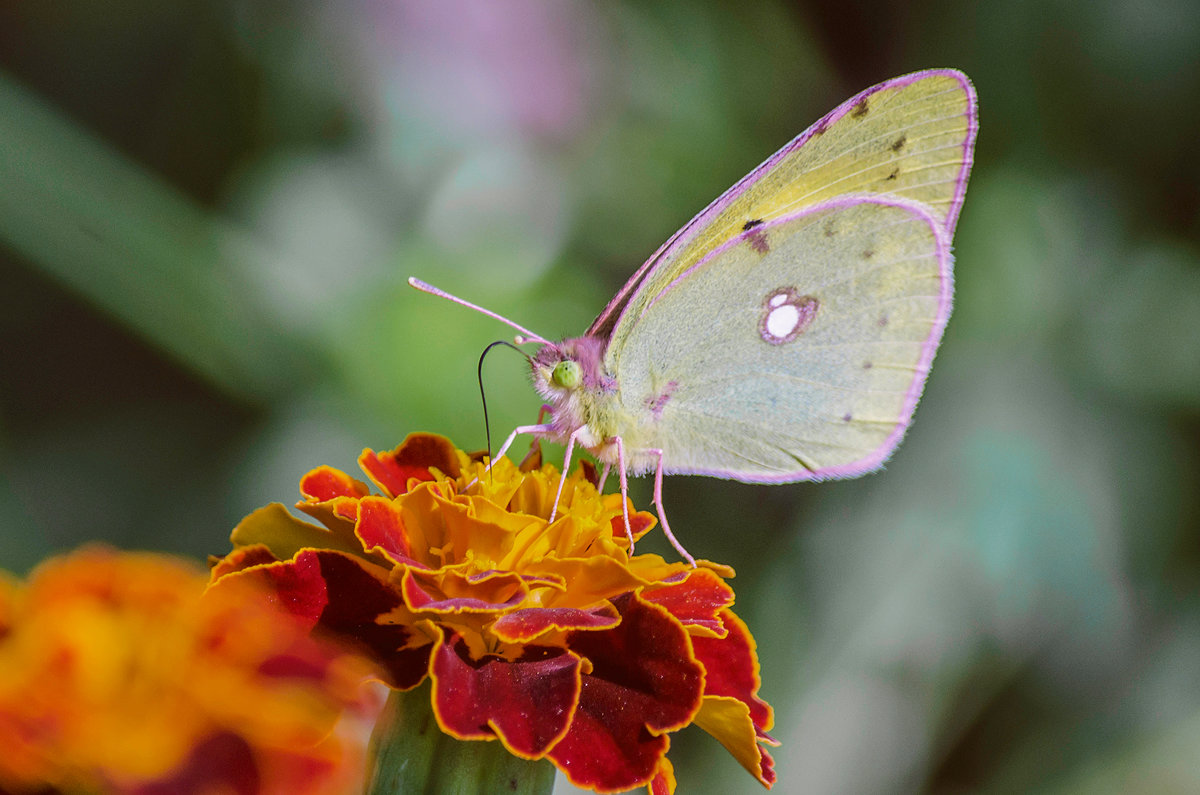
(410, 754)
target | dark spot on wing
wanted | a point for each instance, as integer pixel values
(895, 173)
(883, 320)
(867, 365)
(757, 239)
(830, 229)
(753, 222)
(868, 253)
(860, 109)
(656, 403)
(899, 143)
(820, 128)
(846, 417)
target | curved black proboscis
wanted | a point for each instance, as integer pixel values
(487, 428)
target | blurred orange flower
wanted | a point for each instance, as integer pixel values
(549, 636)
(119, 674)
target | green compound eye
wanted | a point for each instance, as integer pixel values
(567, 374)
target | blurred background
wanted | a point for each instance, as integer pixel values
(208, 211)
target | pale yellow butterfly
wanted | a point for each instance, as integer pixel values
(785, 333)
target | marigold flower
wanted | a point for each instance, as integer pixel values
(550, 637)
(119, 674)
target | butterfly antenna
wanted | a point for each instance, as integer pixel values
(487, 427)
(525, 336)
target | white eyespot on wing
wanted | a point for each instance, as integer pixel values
(786, 314)
(782, 320)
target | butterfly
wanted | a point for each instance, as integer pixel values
(785, 333)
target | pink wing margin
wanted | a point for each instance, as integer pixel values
(614, 312)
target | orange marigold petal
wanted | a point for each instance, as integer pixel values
(422, 594)
(523, 626)
(697, 601)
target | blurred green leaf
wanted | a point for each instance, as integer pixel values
(136, 247)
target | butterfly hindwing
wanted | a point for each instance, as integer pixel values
(785, 333)
(797, 350)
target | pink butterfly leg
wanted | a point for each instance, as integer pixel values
(603, 478)
(562, 478)
(539, 430)
(536, 430)
(621, 469)
(662, 514)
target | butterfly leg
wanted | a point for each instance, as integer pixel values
(534, 430)
(541, 429)
(662, 514)
(603, 478)
(562, 478)
(622, 474)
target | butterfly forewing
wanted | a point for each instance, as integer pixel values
(797, 350)
(911, 137)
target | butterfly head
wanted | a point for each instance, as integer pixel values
(570, 376)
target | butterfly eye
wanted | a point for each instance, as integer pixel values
(567, 374)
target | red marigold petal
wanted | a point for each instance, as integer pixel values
(361, 599)
(224, 762)
(644, 682)
(380, 528)
(640, 523)
(697, 601)
(325, 483)
(415, 456)
(522, 626)
(296, 585)
(766, 764)
(527, 702)
(732, 711)
(347, 597)
(731, 665)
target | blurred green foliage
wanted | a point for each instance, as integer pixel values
(208, 211)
